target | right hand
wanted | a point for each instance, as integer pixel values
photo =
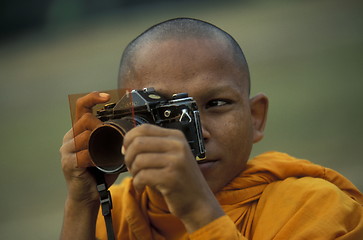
(80, 183)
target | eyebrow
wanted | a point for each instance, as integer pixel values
(209, 91)
(215, 90)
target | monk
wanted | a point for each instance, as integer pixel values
(169, 194)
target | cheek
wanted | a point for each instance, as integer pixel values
(237, 137)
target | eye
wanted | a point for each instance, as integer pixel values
(217, 103)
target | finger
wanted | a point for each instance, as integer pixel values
(151, 144)
(85, 103)
(67, 147)
(87, 122)
(148, 177)
(81, 141)
(83, 159)
(69, 162)
(149, 130)
(73, 145)
(68, 136)
(147, 161)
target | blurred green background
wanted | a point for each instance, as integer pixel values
(307, 56)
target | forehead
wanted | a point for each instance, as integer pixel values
(185, 65)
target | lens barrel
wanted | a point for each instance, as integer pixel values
(105, 145)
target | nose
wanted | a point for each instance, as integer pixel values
(206, 135)
(205, 131)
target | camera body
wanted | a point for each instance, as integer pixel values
(138, 107)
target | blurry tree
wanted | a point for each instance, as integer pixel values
(20, 15)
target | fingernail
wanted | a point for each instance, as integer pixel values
(123, 150)
(104, 95)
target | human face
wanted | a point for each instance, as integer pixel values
(207, 71)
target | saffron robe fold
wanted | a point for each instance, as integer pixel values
(276, 197)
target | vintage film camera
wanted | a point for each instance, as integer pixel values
(138, 107)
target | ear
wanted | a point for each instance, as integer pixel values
(259, 107)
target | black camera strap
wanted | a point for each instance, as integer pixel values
(105, 201)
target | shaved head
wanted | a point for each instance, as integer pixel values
(179, 29)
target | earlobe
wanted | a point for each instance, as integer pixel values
(259, 107)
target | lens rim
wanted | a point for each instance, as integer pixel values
(122, 127)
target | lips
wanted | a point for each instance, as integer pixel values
(206, 165)
(205, 161)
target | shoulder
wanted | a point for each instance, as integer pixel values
(305, 186)
(308, 206)
(306, 192)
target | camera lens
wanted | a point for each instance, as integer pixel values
(105, 145)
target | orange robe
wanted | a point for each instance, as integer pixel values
(276, 197)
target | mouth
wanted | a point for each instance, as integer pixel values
(206, 164)
(205, 161)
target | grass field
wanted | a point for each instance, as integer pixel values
(305, 55)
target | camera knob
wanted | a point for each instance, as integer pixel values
(167, 113)
(180, 95)
(109, 106)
